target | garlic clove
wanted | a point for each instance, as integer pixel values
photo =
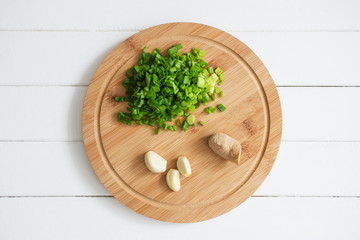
(183, 165)
(173, 179)
(154, 162)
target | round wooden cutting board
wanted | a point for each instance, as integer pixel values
(253, 117)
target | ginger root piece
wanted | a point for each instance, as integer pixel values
(226, 147)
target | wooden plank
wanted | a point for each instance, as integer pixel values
(24, 55)
(54, 113)
(307, 58)
(53, 58)
(278, 15)
(47, 168)
(105, 218)
(62, 168)
(320, 114)
(42, 113)
(314, 169)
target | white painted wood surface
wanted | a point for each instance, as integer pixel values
(48, 53)
(106, 218)
(302, 52)
(278, 15)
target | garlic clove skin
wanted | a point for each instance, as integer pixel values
(173, 179)
(183, 165)
(154, 162)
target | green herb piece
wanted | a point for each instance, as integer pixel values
(191, 108)
(210, 110)
(218, 71)
(201, 82)
(178, 122)
(221, 77)
(221, 107)
(201, 123)
(184, 126)
(117, 98)
(190, 119)
(221, 94)
(173, 52)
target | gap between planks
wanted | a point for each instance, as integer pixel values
(140, 29)
(110, 196)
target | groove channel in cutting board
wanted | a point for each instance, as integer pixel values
(253, 116)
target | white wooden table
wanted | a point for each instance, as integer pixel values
(49, 51)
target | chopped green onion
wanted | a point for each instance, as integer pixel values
(190, 119)
(178, 122)
(186, 80)
(161, 88)
(218, 71)
(191, 108)
(221, 76)
(210, 110)
(214, 76)
(184, 126)
(221, 107)
(221, 94)
(201, 123)
(201, 82)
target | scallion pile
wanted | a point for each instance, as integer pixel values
(160, 88)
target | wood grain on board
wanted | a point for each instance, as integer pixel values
(253, 117)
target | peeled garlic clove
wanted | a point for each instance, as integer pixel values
(183, 165)
(173, 179)
(154, 162)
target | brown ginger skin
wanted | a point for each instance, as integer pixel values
(226, 147)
